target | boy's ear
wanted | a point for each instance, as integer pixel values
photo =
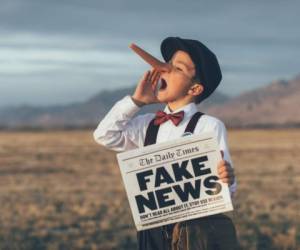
(196, 89)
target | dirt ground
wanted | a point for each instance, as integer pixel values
(60, 190)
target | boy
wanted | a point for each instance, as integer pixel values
(193, 75)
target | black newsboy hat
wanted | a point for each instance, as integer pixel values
(208, 70)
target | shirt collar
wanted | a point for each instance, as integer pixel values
(188, 109)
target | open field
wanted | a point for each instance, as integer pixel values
(60, 190)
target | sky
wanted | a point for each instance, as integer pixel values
(55, 52)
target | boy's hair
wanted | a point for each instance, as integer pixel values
(208, 72)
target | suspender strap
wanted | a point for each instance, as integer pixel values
(151, 134)
(193, 122)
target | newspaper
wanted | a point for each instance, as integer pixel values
(174, 181)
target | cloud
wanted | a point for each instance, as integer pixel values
(40, 58)
(75, 44)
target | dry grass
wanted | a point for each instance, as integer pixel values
(59, 190)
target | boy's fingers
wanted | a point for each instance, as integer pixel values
(225, 172)
(225, 168)
(229, 180)
(155, 82)
(146, 80)
(145, 77)
(222, 162)
(224, 165)
(225, 175)
(157, 78)
(221, 170)
(154, 75)
(154, 79)
(226, 180)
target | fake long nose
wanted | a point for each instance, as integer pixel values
(155, 63)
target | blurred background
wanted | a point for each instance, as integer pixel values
(63, 64)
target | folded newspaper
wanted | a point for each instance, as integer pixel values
(174, 181)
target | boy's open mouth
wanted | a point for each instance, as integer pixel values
(162, 84)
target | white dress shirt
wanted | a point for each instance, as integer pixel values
(120, 130)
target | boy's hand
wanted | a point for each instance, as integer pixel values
(225, 171)
(145, 90)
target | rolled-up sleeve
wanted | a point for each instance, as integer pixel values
(119, 130)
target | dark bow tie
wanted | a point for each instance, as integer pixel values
(162, 117)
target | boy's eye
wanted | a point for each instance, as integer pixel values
(178, 68)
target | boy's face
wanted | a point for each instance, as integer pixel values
(176, 83)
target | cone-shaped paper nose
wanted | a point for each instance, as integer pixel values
(155, 63)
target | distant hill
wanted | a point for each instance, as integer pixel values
(276, 105)
(77, 115)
